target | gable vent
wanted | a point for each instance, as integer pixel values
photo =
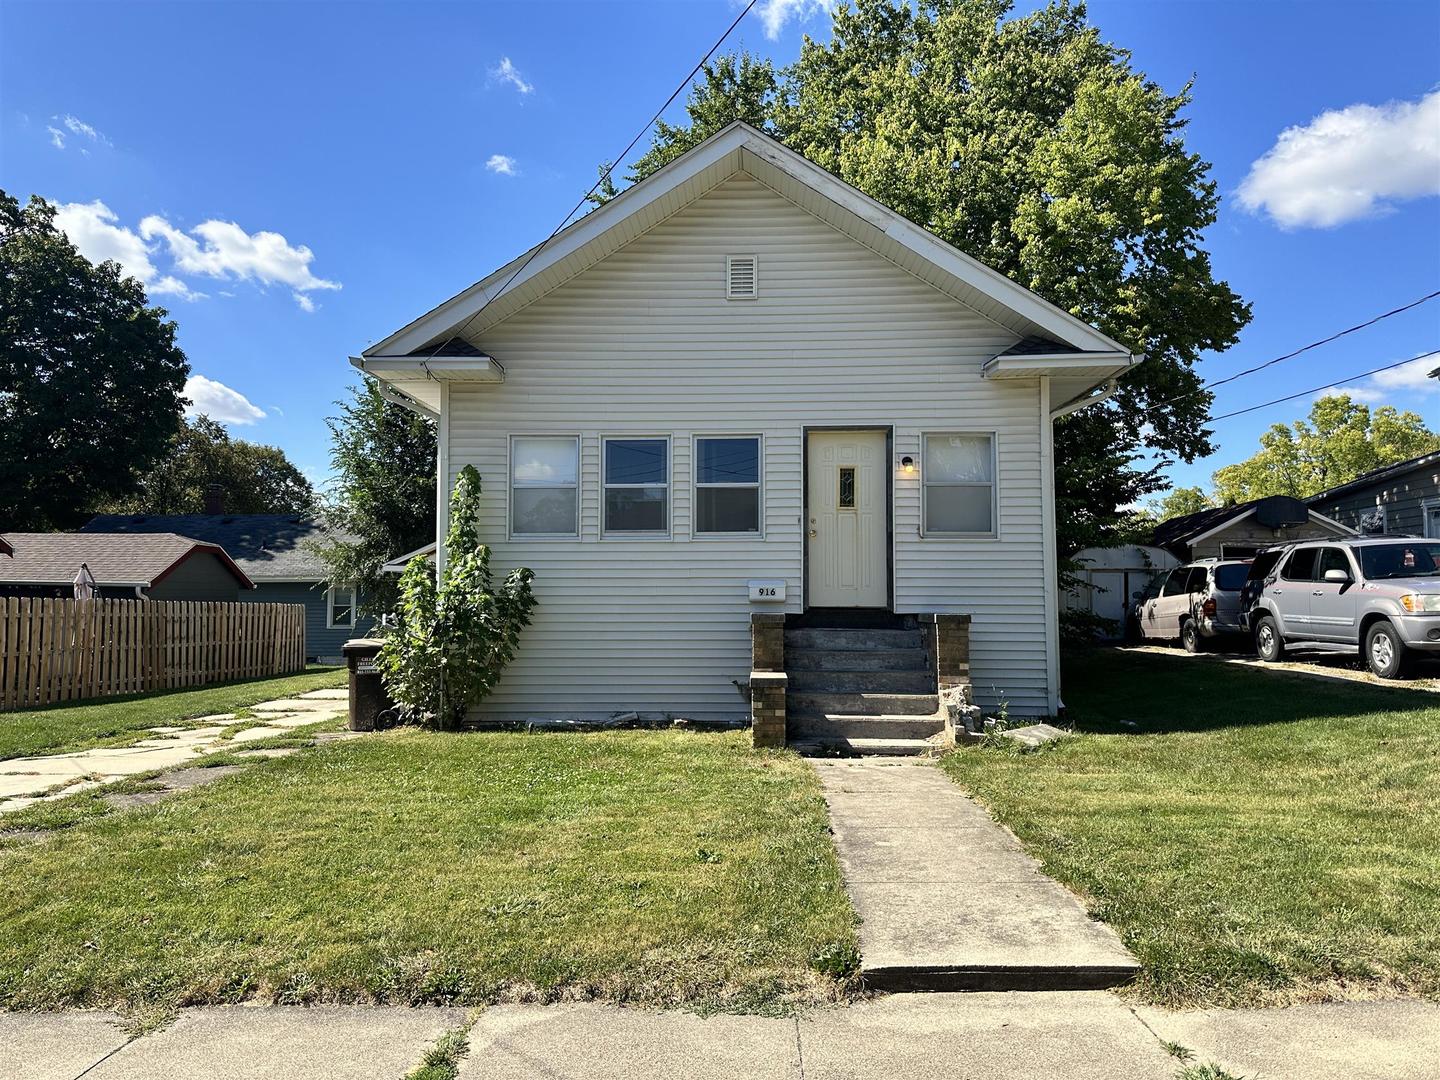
(742, 277)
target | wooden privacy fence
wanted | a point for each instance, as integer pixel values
(64, 650)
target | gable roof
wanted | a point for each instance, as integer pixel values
(1377, 476)
(115, 559)
(268, 547)
(405, 356)
(1181, 533)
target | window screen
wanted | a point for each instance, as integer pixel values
(727, 484)
(959, 484)
(637, 485)
(544, 485)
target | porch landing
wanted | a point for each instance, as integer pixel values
(948, 899)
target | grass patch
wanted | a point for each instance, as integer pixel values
(442, 1061)
(82, 725)
(1255, 838)
(660, 868)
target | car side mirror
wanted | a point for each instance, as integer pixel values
(1340, 577)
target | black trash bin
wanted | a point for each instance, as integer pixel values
(370, 707)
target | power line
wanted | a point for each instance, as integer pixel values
(1291, 355)
(604, 176)
(1326, 386)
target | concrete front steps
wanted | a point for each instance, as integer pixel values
(861, 691)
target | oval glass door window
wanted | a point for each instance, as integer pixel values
(847, 488)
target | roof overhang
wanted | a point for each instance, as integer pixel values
(398, 564)
(737, 148)
(1094, 366)
(1316, 518)
(418, 378)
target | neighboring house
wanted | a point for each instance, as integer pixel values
(742, 386)
(1238, 532)
(1400, 498)
(163, 566)
(1110, 577)
(275, 551)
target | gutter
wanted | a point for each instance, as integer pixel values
(1087, 399)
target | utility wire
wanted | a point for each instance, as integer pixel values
(1291, 355)
(604, 176)
(1326, 386)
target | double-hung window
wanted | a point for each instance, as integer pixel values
(727, 484)
(544, 485)
(958, 482)
(636, 485)
(340, 607)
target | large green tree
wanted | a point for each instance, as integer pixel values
(1035, 146)
(383, 496)
(1341, 440)
(1181, 502)
(91, 378)
(257, 479)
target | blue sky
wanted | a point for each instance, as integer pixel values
(296, 180)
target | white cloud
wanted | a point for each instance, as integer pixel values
(219, 402)
(73, 125)
(224, 250)
(502, 164)
(1399, 386)
(774, 14)
(505, 72)
(93, 229)
(1348, 164)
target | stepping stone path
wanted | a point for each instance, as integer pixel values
(27, 781)
(948, 899)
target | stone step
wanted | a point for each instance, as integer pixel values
(840, 726)
(831, 640)
(801, 659)
(811, 703)
(865, 747)
(858, 682)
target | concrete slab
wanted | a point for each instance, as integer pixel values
(600, 1042)
(273, 752)
(253, 734)
(294, 705)
(281, 1043)
(185, 779)
(55, 1046)
(1353, 1040)
(1034, 736)
(333, 693)
(949, 900)
(982, 1036)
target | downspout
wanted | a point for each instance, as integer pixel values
(1076, 404)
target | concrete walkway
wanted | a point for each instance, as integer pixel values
(26, 781)
(948, 899)
(979, 1036)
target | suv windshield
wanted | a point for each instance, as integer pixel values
(1410, 559)
(1231, 576)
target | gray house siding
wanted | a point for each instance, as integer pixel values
(320, 640)
(1246, 536)
(1405, 497)
(200, 577)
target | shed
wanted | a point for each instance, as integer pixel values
(1112, 575)
(1239, 531)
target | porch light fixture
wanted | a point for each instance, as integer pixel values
(907, 464)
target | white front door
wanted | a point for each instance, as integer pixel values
(848, 522)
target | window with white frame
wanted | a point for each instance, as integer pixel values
(958, 485)
(544, 485)
(636, 482)
(727, 484)
(340, 607)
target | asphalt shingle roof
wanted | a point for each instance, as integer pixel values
(114, 559)
(266, 546)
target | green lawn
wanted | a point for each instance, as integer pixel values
(116, 721)
(1256, 838)
(656, 867)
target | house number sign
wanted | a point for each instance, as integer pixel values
(767, 590)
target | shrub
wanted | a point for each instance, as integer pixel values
(450, 641)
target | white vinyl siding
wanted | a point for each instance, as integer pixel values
(644, 343)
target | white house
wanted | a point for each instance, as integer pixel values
(741, 388)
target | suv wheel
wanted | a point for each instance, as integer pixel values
(1269, 645)
(1190, 637)
(1385, 653)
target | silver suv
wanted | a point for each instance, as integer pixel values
(1380, 595)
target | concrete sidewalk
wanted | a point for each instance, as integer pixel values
(948, 899)
(980, 1036)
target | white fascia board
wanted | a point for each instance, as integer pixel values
(740, 136)
(397, 565)
(1101, 365)
(403, 369)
